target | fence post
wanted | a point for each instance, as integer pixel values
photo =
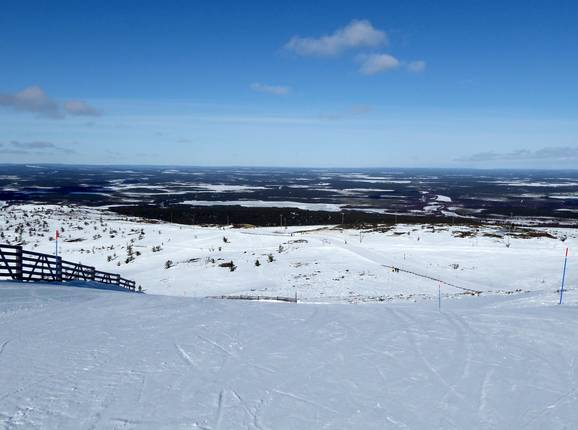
(59, 269)
(18, 269)
(117, 279)
(92, 271)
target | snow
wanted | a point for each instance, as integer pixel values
(220, 188)
(445, 199)
(317, 263)
(88, 358)
(77, 358)
(329, 207)
(525, 183)
(382, 181)
(563, 196)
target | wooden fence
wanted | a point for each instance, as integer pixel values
(259, 298)
(29, 266)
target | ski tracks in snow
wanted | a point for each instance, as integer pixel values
(219, 412)
(3, 345)
(185, 356)
(462, 348)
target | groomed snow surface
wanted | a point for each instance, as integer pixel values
(79, 358)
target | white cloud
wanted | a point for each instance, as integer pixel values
(416, 66)
(34, 99)
(277, 90)
(77, 107)
(356, 34)
(31, 99)
(377, 63)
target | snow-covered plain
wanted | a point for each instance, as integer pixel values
(316, 263)
(78, 358)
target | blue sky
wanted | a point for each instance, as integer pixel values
(326, 83)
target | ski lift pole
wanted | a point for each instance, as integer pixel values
(563, 277)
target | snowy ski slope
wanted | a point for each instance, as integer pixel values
(77, 358)
(86, 358)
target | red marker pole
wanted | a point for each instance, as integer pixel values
(56, 243)
(563, 277)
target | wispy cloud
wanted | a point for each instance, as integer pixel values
(553, 153)
(277, 90)
(351, 112)
(77, 107)
(376, 63)
(34, 147)
(356, 34)
(35, 100)
(417, 66)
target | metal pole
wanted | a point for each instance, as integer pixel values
(563, 277)
(439, 297)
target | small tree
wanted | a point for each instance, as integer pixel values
(270, 258)
(257, 263)
(169, 264)
(129, 254)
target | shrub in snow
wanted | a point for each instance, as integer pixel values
(169, 264)
(257, 263)
(129, 254)
(229, 264)
(270, 258)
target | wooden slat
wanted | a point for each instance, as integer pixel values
(10, 246)
(37, 254)
(41, 257)
(105, 273)
(40, 262)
